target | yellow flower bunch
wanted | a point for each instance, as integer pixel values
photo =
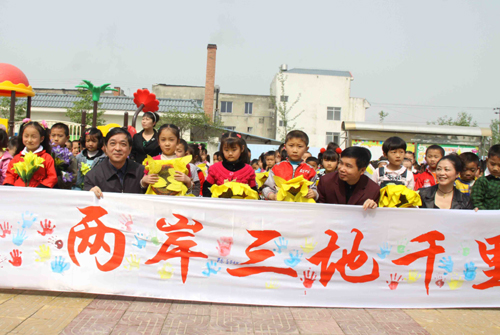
(27, 168)
(234, 190)
(84, 168)
(398, 196)
(261, 178)
(166, 184)
(294, 190)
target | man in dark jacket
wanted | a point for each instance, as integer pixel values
(117, 173)
(349, 185)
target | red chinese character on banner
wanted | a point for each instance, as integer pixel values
(84, 231)
(431, 252)
(494, 262)
(180, 248)
(257, 256)
(354, 260)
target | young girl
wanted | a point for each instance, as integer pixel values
(92, 155)
(183, 150)
(204, 159)
(34, 138)
(233, 166)
(169, 138)
(330, 161)
(5, 156)
(146, 142)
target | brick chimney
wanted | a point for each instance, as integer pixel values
(208, 103)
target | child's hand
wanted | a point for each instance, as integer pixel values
(97, 191)
(369, 204)
(179, 176)
(311, 194)
(272, 196)
(150, 179)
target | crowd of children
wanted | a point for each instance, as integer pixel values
(335, 176)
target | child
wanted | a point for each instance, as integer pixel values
(408, 165)
(233, 166)
(330, 161)
(35, 139)
(92, 155)
(486, 190)
(75, 147)
(12, 145)
(5, 156)
(205, 159)
(196, 173)
(470, 165)
(270, 158)
(414, 165)
(278, 157)
(394, 149)
(217, 157)
(313, 161)
(255, 164)
(59, 136)
(296, 144)
(428, 177)
(306, 155)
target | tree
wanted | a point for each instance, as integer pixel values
(283, 109)
(382, 116)
(463, 119)
(5, 109)
(495, 131)
(84, 104)
(200, 124)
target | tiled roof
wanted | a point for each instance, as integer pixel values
(112, 103)
(321, 72)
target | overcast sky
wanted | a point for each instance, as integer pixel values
(402, 54)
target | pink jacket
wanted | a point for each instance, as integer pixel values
(4, 164)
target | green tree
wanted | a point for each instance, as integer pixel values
(463, 119)
(382, 115)
(5, 109)
(495, 131)
(84, 104)
(200, 124)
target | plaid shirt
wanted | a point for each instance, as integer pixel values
(486, 193)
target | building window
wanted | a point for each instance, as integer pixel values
(248, 107)
(249, 129)
(261, 120)
(282, 123)
(230, 128)
(226, 106)
(332, 137)
(271, 105)
(200, 103)
(284, 98)
(333, 113)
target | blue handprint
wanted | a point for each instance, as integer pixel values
(59, 266)
(19, 238)
(294, 260)
(141, 241)
(28, 220)
(211, 269)
(282, 244)
(470, 271)
(384, 250)
(447, 264)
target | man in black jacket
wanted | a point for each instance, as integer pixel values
(117, 173)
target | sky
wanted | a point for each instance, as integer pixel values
(416, 61)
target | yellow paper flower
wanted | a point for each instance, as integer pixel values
(294, 190)
(165, 169)
(234, 190)
(203, 168)
(261, 178)
(399, 196)
(84, 168)
(27, 168)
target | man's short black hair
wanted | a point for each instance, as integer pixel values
(362, 156)
(393, 143)
(116, 131)
(494, 151)
(269, 153)
(63, 126)
(469, 157)
(297, 134)
(435, 147)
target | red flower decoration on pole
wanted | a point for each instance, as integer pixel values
(144, 97)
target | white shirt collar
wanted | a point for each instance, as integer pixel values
(25, 151)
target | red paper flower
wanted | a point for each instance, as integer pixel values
(132, 130)
(144, 97)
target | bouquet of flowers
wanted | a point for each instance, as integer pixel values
(294, 190)
(234, 190)
(398, 196)
(166, 184)
(261, 178)
(27, 168)
(62, 160)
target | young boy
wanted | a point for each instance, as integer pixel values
(217, 157)
(470, 163)
(306, 155)
(486, 190)
(270, 158)
(255, 164)
(428, 177)
(314, 162)
(75, 149)
(394, 149)
(59, 135)
(296, 144)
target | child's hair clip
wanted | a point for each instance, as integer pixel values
(26, 120)
(238, 135)
(44, 124)
(338, 150)
(322, 150)
(87, 132)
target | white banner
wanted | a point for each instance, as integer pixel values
(248, 252)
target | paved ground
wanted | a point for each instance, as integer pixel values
(33, 312)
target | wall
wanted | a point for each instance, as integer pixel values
(179, 92)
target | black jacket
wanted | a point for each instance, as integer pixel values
(460, 200)
(140, 152)
(106, 178)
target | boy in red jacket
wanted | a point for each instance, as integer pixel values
(296, 144)
(428, 178)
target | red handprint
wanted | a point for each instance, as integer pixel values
(16, 257)
(440, 281)
(6, 229)
(225, 244)
(308, 279)
(394, 282)
(47, 228)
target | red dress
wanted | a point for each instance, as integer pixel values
(45, 175)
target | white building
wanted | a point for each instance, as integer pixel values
(323, 100)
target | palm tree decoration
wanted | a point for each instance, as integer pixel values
(96, 94)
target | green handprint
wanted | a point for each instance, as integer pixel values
(96, 90)
(133, 262)
(167, 271)
(44, 253)
(154, 239)
(402, 246)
